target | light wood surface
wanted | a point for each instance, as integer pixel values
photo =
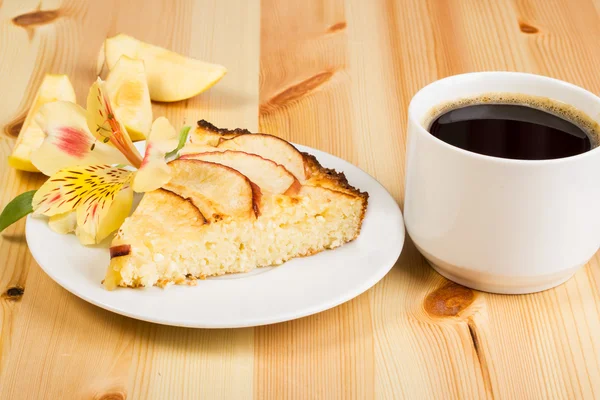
(337, 76)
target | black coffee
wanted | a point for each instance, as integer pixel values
(511, 131)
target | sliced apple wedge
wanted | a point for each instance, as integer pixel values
(269, 147)
(63, 223)
(31, 136)
(171, 76)
(268, 175)
(216, 190)
(127, 89)
(193, 148)
(208, 134)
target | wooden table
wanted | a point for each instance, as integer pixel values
(333, 75)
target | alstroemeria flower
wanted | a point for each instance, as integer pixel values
(76, 137)
(81, 153)
(100, 195)
(68, 140)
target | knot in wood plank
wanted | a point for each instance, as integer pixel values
(448, 300)
(337, 27)
(14, 293)
(112, 396)
(296, 91)
(35, 18)
(526, 28)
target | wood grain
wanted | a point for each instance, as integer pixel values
(305, 97)
(382, 56)
(68, 348)
(336, 75)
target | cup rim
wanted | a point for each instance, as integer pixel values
(412, 118)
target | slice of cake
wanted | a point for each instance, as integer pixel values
(237, 201)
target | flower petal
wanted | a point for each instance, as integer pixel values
(93, 228)
(72, 188)
(68, 141)
(154, 171)
(103, 122)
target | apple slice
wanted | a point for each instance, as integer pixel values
(63, 223)
(31, 136)
(193, 148)
(208, 134)
(171, 76)
(127, 90)
(216, 190)
(268, 175)
(269, 147)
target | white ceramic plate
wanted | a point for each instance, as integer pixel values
(300, 287)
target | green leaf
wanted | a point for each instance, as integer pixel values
(19, 207)
(183, 137)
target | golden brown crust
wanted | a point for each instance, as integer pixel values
(331, 179)
(208, 127)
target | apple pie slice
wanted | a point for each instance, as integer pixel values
(237, 201)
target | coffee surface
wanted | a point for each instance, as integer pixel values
(514, 131)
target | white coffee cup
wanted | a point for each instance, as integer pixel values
(494, 224)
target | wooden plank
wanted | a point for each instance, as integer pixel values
(305, 97)
(543, 345)
(383, 53)
(27, 56)
(396, 49)
(535, 346)
(68, 348)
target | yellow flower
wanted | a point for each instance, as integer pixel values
(91, 162)
(75, 136)
(99, 195)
